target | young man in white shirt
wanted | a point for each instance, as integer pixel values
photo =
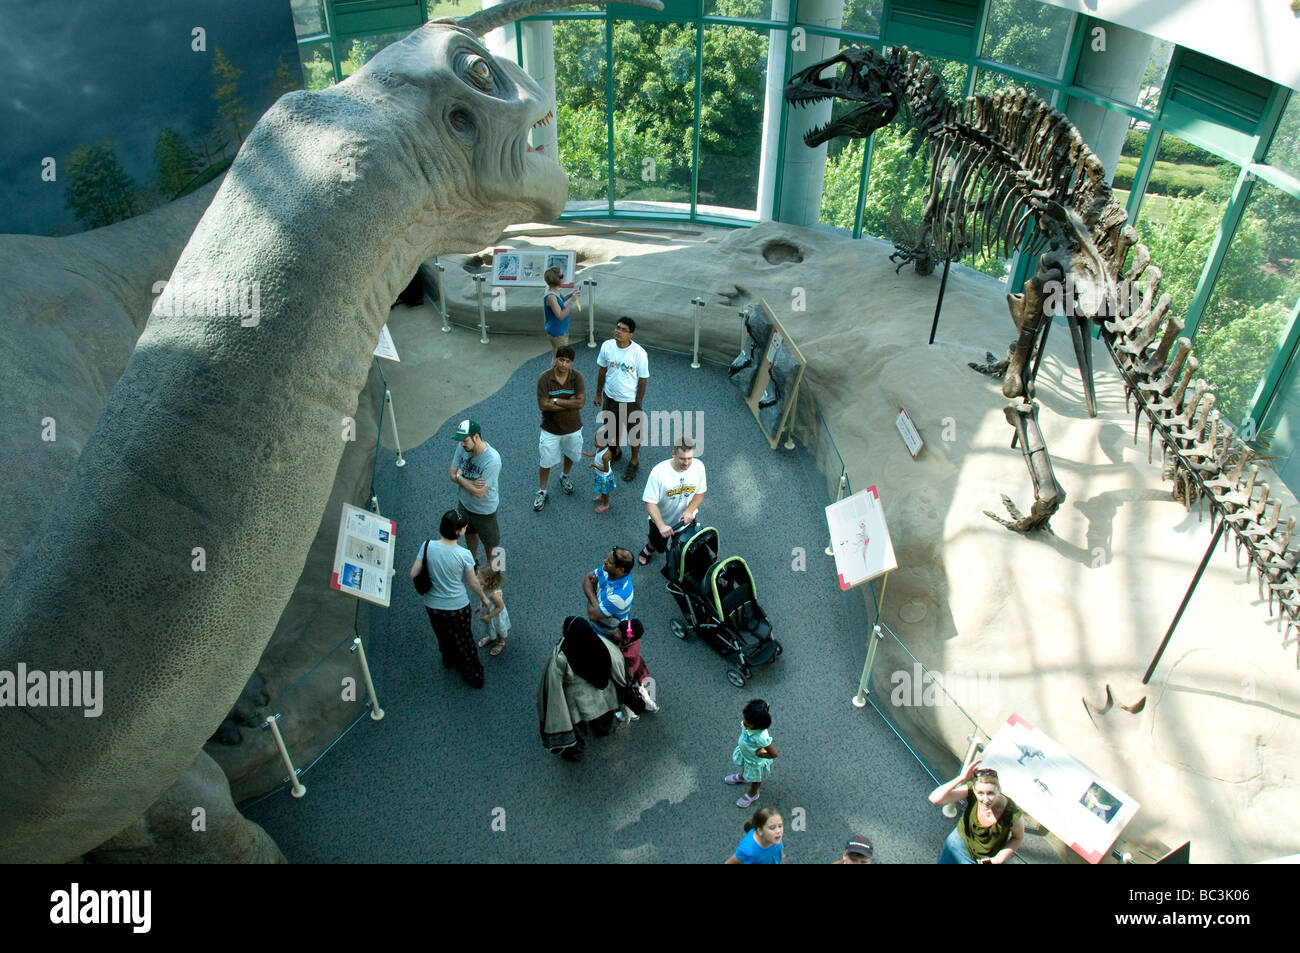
(673, 493)
(620, 389)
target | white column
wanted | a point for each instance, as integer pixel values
(804, 169)
(1115, 72)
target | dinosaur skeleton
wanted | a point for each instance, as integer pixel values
(1009, 171)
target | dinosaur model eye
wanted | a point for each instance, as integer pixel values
(479, 72)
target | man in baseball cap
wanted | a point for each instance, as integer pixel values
(476, 471)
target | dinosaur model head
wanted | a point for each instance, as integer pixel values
(861, 75)
(470, 115)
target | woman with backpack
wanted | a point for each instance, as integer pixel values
(443, 571)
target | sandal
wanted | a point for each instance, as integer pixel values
(645, 555)
(603, 508)
(746, 800)
(498, 648)
(630, 473)
(733, 779)
(483, 642)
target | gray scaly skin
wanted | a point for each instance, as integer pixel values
(227, 437)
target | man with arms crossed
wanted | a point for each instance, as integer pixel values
(560, 397)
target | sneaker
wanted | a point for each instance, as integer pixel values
(650, 704)
(539, 501)
(565, 483)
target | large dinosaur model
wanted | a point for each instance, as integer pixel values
(1006, 163)
(178, 538)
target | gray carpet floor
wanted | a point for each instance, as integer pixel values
(454, 774)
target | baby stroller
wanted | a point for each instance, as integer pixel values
(718, 600)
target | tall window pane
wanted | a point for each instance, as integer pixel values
(317, 67)
(1027, 34)
(863, 16)
(654, 116)
(731, 117)
(581, 128)
(308, 17)
(1254, 294)
(751, 9)
(353, 54)
(1181, 211)
(1153, 79)
(1135, 140)
(1285, 150)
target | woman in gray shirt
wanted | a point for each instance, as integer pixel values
(451, 571)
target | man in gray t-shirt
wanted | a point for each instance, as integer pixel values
(476, 471)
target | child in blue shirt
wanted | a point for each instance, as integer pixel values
(762, 843)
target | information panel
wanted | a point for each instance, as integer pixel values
(526, 267)
(1065, 796)
(363, 558)
(860, 538)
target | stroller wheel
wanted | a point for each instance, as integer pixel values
(735, 678)
(679, 628)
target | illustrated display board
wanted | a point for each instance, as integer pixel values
(363, 557)
(860, 538)
(386, 348)
(1067, 797)
(776, 379)
(909, 432)
(526, 267)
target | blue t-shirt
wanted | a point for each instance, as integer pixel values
(750, 853)
(614, 596)
(555, 327)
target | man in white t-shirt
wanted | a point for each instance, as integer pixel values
(620, 389)
(673, 493)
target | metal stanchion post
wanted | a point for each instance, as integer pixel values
(482, 313)
(298, 789)
(392, 419)
(376, 712)
(695, 350)
(860, 699)
(744, 320)
(591, 313)
(442, 295)
(839, 495)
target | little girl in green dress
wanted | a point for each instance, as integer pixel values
(754, 751)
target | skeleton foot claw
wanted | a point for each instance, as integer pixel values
(1136, 707)
(1104, 707)
(992, 366)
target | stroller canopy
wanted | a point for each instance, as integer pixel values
(691, 556)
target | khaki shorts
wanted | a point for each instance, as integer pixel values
(557, 343)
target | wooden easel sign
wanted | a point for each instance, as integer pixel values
(911, 436)
(779, 342)
(860, 538)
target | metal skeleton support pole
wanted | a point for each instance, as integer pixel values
(482, 314)
(695, 350)
(392, 419)
(938, 305)
(1205, 561)
(860, 699)
(376, 713)
(744, 329)
(298, 789)
(591, 316)
(1033, 372)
